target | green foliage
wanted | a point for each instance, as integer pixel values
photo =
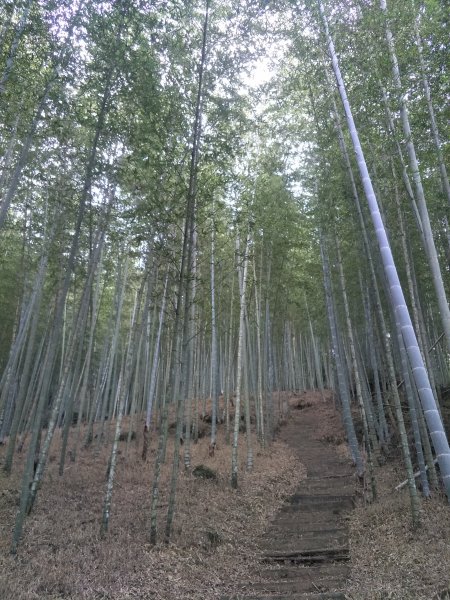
(106, 93)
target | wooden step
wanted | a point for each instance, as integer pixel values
(295, 586)
(300, 596)
(341, 486)
(311, 527)
(312, 519)
(341, 570)
(305, 549)
(326, 489)
(330, 470)
(309, 530)
(318, 503)
(318, 555)
(316, 499)
(298, 543)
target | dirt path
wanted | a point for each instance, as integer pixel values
(305, 549)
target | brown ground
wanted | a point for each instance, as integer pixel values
(215, 537)
(218, 532)
(391, 561)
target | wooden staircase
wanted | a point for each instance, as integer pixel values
(305, 549)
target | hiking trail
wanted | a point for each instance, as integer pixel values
(305, 550)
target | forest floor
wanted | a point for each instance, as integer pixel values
(389, 559)
(218, 531)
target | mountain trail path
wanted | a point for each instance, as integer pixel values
(305, 550)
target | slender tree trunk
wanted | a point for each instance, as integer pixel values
(154, 372)
(433, 123)
(248, 421)
(194, 363)
(59, 62)
(237, 407)
(368, 430)
(270, 375)
(229, 370)
(344, 392)
(430, 247)
(384, 431)
(414, 422)
(214, 357)
(259, 383)
(122, 390)
(432, 415)
(368, 251)
(181, 344)
(14, 45)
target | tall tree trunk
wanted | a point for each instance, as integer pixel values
(214, 357)
(369, 433)
(430, 247)
(181, 345)
(433, 123)
(344, 391)
(237, 407)
(154, 372)
(59, 62)
(194, 359)
(14, 45)
(432, 415)
(259, 373)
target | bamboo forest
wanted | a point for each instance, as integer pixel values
(224, 300)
